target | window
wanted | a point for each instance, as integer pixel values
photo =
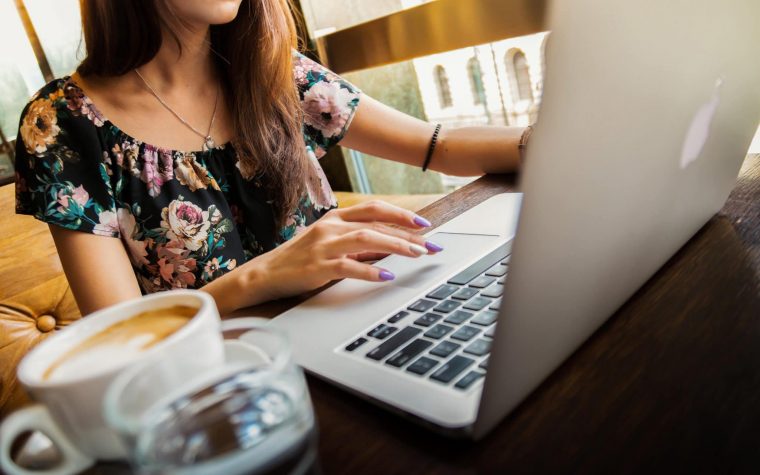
(54, 27)
(476, 81)
(442, 87)
(20, 74)
(444, 91)
(59, 28)
(517, 67)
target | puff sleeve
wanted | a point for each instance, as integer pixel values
(61, 177)
(328, 101)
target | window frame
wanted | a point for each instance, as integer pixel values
(475, 75)
(443, 86)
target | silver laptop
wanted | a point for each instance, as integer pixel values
(648, 110)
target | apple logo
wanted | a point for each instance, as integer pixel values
(699, 130)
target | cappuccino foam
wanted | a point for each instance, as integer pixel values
(119, 343)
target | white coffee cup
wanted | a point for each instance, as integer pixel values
(69, 410)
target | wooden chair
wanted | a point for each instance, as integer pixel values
(35, 298)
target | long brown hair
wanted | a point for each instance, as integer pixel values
(257, 75)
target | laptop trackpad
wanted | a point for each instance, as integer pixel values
(459, 250)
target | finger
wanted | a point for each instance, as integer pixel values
(369, 240)
(345, 268)
(340, 228)
(376, 210)
(431, 246)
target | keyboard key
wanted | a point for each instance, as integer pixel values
(439, 331)
(497, 271)
(447, 306)
(493, 291)
(484, 364)
(484, 318)
(458, 317)
(478, 347)
(465, 293)
(451, 369)
(392, 343)
(495, 305)
(505, 262)
(445, 348)
(481, 265)
(489, 333)
(382, 331)
(422, 365)
(478, 303)
(398, 316)
(428, 319)
(422, 305)
(465, 333)
(501, 281)
(482, 282)
(442, 292)
(356, 344)
(409, 352)
(468, 379)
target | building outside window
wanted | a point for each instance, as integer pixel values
(485, 67)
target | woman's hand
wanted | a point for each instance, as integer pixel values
(329, 249)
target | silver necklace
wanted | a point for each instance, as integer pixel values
(208, 142)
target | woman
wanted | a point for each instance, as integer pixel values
(191, 133)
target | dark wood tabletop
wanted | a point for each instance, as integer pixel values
(669, 384)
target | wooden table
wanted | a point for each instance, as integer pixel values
(670, 384)
(672, 380)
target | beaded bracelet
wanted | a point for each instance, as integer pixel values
(431, 148)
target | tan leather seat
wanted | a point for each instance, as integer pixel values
(35, 299)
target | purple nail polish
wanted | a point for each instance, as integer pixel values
(386, 275)
(420, 221)
(433, 247)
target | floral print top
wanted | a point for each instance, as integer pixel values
(184, 218)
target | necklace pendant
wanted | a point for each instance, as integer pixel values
(208, 144)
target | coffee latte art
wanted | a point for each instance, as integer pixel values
(120, 343)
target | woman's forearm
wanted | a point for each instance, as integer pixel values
(469, 151)
(465, 151)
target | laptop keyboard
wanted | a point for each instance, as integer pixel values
(445, 335)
